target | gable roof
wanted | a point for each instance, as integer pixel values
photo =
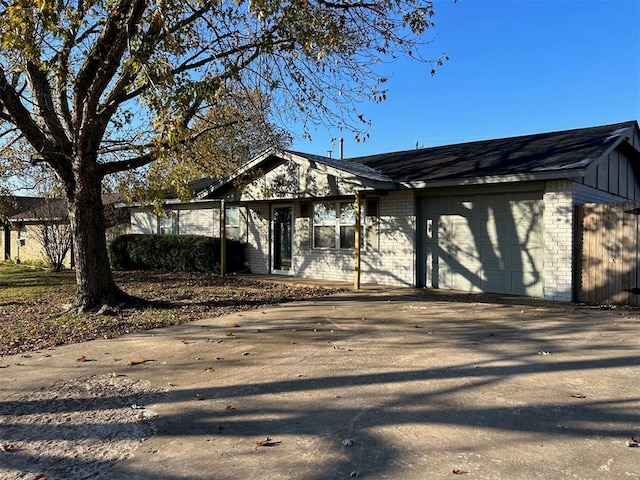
(54, 208)
(362, 172)
(555, 154)
(11, 205)
(542, 156)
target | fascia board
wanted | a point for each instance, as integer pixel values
(492, 180)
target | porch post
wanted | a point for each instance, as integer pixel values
(356, 251)
(223, 239)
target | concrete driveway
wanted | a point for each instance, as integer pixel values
(397, 384)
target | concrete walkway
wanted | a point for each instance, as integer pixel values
(376, 384)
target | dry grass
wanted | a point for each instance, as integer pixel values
(32, 299)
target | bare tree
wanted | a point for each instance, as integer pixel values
(52, 231)
(106, 86)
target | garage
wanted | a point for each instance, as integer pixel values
(483, 243)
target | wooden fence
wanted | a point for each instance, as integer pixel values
(607, 247)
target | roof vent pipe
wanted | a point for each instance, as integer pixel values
(341, 148)
(329, 153)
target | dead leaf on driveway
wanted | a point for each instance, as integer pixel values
(457, 471)
(139, 361)
(578, 395)
(7, 447)
(266, 442)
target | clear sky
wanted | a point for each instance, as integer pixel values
(516, 67)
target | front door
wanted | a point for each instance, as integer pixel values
(7, 242)
(282, 237)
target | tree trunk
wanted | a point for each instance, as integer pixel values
(95, 285)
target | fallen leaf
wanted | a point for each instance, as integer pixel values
(266, 442)
(140, 418)
(199, 396)
(229, 408)
(229, 334)
(544, 353)
(457, 471)
(245, 353)
(634, 442)
(208, 369)
(235, 325)
(347, 442)
(578, 395)
(81, 359)
(139, 361)
(7, 447)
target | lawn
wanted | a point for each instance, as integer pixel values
(32, 302)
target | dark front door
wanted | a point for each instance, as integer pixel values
(7, 242)
(282, 238)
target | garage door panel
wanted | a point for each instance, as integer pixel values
(494, 280)
(492, 243)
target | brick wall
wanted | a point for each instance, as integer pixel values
(258, 238)
(392, 263)
(558, 241)
(560, 198)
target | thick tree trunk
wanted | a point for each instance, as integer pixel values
(95, 284)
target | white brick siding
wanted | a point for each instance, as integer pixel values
(144, 221)
(558, 241)
(258, 238)
(195, 222)
(393, 262)
(560, 199)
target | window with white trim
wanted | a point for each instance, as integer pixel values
(334, 225)
(232, 223)
(168, 223)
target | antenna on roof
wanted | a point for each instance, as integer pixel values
(341, 148)
(329, 153)
(417, 145)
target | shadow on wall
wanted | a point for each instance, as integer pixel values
(609, 251)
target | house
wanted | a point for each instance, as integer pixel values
(10, 243)
(29, 223)
(490, 216)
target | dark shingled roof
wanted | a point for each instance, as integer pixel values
(529, 154)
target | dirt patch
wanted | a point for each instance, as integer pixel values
(88, 423)
(31, 319)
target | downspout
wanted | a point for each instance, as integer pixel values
(357, 244)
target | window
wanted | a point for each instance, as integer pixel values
(168, 223)
(334, 225)
(232, 223)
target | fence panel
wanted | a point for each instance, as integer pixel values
(608, 260)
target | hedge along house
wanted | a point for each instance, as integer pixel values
(493, 216)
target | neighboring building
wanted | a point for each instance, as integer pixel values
(28, 219)
(10, 243)
(491, 216)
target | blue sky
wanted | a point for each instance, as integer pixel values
(516, 67)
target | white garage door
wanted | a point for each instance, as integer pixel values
(485, 243)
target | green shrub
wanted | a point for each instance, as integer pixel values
(185, 253)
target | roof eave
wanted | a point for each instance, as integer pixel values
(488, 180)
